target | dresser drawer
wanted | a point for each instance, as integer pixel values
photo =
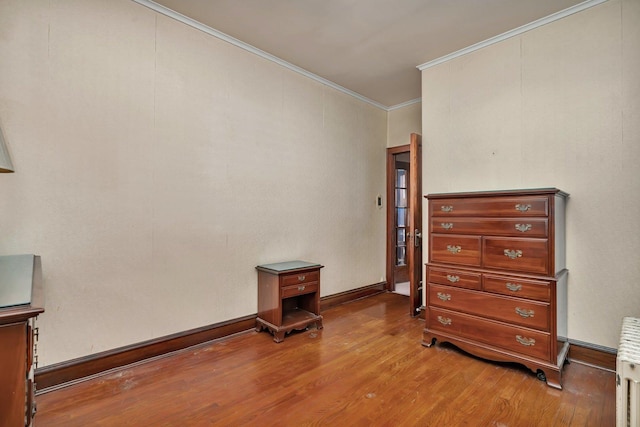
(454, 249)
(525, 227)
(461, 279)
(297, 278)
(513, 310)
(300, 289)
(534, 206)
(533, 289)
(520, 340)
(526, 255)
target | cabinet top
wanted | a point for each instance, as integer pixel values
(522, 192)
(288, 266)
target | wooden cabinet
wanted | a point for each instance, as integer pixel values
(288, 297)
(20, 303)
(496, 277)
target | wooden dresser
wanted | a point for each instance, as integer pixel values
(496, 277)
(20, 303)
(288, 297)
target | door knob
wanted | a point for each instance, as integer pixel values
(416, 238)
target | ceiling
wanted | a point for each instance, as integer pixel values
(370, 47)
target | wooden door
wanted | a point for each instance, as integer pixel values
(414, 245)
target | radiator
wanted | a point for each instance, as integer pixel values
(628, 374)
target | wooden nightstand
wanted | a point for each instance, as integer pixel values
(21, 301)
(288, 297)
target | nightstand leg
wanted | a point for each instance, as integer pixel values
(278, 336)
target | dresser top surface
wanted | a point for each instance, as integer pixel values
(521, 192)
(16, 279)
(282, 267)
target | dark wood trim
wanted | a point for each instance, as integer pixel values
(593, 355)
(53, 377)
(329, 301)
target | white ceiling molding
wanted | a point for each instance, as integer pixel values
(530, 26)
(242, 45)
(405, 104)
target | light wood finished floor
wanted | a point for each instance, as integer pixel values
(365, 368)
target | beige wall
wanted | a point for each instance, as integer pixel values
(558, 106)
(402, 122)
(156, 166)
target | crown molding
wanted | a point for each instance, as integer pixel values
(265, 55)
(249, 48)
(404, 104)
(517, 31)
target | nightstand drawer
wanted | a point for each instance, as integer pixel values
(453, 249)
(461, 279)
(490, 207)
(301, 289)
(523, 288)
(297, 278)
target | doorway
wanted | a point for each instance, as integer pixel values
(404, 221)
(401, 221)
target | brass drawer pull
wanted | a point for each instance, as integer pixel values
(301, 278)
(513, 253)
(525, 314)
(444, 297)
(523, 227)
(453, 279)
(528, 342)
(522, 208)
(454, 249)
(446, 225)
(514, 287)
(444, 320)
(446, 208)
(301, 288)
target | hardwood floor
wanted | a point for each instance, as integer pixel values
(365, 368)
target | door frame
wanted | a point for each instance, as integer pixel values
(414, 256)
(391, 152)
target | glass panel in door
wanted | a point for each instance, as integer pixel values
(401, 218)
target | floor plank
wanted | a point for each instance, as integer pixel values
(365, 368)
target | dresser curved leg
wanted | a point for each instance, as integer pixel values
(553, 378)
(428, 340)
